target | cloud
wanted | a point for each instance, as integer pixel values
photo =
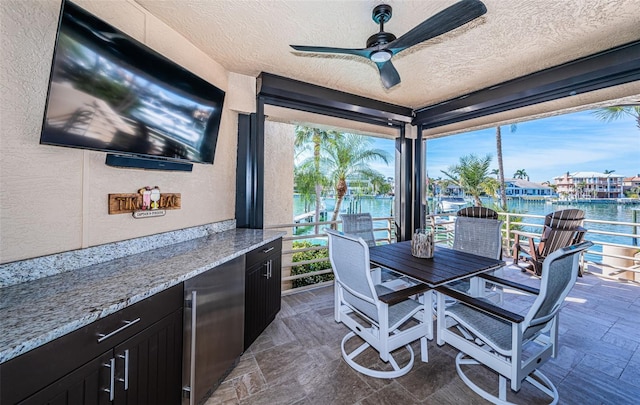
(548, 147)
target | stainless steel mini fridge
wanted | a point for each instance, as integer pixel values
(213, 328)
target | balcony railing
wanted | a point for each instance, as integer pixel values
(383, 228)
(619, 261)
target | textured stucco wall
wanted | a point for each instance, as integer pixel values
(278, 172)
(54, 199)
(278, 178)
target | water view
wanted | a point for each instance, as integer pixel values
(383, 207)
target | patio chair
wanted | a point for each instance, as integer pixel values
(478, 212)
(482, 237)
(359, 225)
(385, 319)
(512, 345)
(561, 228)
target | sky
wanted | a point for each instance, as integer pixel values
(544, 148)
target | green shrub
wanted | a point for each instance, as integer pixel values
(308, 268)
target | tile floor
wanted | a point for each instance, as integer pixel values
(297, 360)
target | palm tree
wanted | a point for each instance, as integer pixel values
(471, 175)
(581, 186)
(608, 114)
(304, 183)
(348, 156)
(503, 189)
(318, 138)
(609, 182)
(380, 185)
(521, 174)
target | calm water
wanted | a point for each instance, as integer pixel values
(383, 207)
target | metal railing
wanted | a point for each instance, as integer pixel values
(619, 261)
(383, 228)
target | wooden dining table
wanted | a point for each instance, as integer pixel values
(445, 266)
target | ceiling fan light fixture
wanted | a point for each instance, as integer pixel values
(380, 56)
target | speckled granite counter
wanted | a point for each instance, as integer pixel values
(37, 312)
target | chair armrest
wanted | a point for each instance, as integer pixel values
(511, 284)
(401, 295)
(481, 305)
(526, 234)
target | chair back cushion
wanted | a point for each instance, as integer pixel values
(359, 225)
(479, 236)
(349, 258)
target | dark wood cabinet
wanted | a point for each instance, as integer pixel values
(131, 357)
(262, 289)
(149, 365)
(86, 385)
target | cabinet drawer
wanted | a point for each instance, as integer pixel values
(261, 253)
(40, 367)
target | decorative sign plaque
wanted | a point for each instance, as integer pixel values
(149, 214)
(147, 203)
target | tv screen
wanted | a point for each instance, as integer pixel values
(109, 92)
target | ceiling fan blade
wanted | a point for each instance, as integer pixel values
(323, 49)
(388, 74)
(448, 19)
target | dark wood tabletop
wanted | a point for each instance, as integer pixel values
(447, 265)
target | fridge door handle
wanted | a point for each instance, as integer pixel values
(192, 368)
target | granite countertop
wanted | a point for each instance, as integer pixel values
(37, 312)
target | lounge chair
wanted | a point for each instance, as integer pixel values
(561, 229)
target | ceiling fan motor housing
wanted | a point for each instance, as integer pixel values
(380, 38)
(380, 14)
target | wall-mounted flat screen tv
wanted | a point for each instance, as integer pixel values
(111, 93)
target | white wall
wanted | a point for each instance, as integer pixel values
(54, 199)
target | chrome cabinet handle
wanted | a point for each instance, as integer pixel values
(269, 265)
(268, 250)
(102, 337)
(126, 369)
(112, 378)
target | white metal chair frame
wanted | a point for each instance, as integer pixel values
(482, 237)
(394, 319)
(497, 338)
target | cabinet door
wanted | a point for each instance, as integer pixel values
(255, 296)
(262, 292)
(272, 304)
(89, 385)
(148, 366)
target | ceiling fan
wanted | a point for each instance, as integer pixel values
(382, 45)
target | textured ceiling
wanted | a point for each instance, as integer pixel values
(512, 39)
